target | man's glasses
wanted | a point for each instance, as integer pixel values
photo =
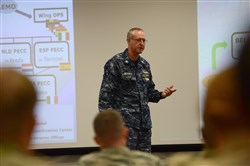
(139, 40)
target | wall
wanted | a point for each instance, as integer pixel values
(172, 50)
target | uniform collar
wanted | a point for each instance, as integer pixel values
(115, 149)
(127, 60)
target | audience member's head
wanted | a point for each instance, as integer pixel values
(109, 129)
(111, 135)
(17, 101)
(226, 114)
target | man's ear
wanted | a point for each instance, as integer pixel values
(97, 140)
(128, 40)
(26, 130)
(125, 132)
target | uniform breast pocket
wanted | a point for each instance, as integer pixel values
(145, 76)
(128, 82)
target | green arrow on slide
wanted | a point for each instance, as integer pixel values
(215, 46)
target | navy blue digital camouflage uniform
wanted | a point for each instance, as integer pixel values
(127, 86)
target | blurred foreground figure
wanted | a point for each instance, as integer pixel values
(17, 101)
(111, 135)
(226, 118)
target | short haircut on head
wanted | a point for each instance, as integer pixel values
(130, 32)
(108, 125)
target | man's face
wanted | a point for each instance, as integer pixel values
(137, 42)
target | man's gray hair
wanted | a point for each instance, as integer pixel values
(130, 32)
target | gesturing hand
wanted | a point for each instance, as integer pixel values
(168, 91)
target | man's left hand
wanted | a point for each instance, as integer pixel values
(168, 91)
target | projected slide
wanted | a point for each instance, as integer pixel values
(223, 28)
(37, 39)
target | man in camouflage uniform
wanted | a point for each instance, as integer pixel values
(128, 87)
(111, 135)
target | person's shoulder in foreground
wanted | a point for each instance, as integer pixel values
(121, 156)
(13, 156)
(190, 159)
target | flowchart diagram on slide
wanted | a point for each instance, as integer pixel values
(45, 53)
(37, 40)
(238, 40)
(223, 31)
